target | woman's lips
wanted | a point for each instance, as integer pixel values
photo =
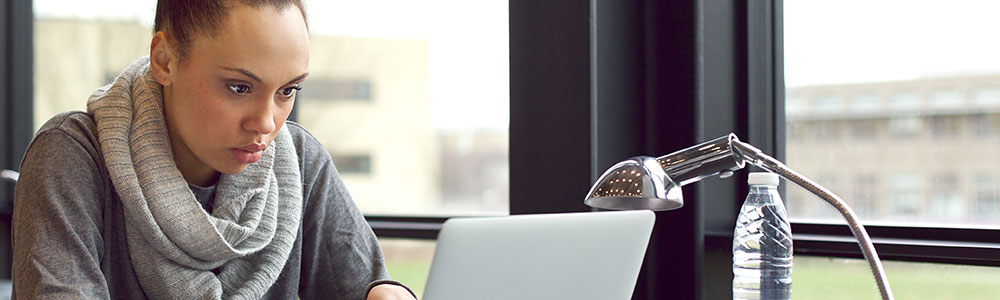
(249, 154)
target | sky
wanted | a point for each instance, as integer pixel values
(849, 41)
(825, 42)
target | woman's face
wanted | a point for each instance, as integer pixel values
(225, 102)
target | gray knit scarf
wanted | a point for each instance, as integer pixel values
(178, 250)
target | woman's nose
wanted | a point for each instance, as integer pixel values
(261, 118)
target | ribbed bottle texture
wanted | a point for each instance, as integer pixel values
(762, 243)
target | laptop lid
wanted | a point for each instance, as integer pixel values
(594, 255)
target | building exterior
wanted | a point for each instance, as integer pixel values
(367, 101)
(923, 150)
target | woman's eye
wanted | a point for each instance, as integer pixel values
(288, 92)
(239, 89)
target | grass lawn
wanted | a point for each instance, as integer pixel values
(818, 278)
(830, 278)
(411, 272)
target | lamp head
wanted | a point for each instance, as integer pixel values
(645, 182)
(636, 183)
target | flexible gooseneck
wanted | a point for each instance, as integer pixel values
(757, 158)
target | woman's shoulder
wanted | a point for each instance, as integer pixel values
(306, 145)
(64, 154)
(74, 126)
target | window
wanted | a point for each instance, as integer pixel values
(904, 101)
(944, 126)
(904, 191)
(987, 96)
(357, 164)
(828, 104)
(926, 186)
(985, 197)
(939, 112)
(826, 130)
(104, 42)
(794, 105)
(864, 129)
(325, 89)
(865, 196)
(905, 127)
(945, 99)
(865, 102)
(945, 198)
(408, 100)
(984, 125)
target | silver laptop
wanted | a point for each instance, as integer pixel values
(593, 255)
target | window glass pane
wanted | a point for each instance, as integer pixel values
(905, 112)
(839, 278)
(409, 261)
(83, 45)
(411, 102)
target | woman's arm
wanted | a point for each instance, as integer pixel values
(56, 222)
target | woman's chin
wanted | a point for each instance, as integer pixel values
(234, 169)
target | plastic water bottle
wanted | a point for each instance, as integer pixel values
(762, 243)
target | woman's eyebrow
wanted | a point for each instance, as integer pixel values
(257, 79)
(244, 72)
(298, 78)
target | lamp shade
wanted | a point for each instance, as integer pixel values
(635, 183)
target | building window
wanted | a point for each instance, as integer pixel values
(864, 196)
(795, 106)
(945, 99)
(356, 164)
(320, 89)
(945, 199)
(825, 130)
(864, 129)
(985, 197)
(866, 102)
(904, 101)
(797, 131)
(987, 97)
(905, 127)
(904, 196)
(984, 125)
(827, 104)
(944, 126)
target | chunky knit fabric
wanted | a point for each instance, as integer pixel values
(178, 250)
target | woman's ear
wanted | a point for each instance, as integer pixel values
(162, 59)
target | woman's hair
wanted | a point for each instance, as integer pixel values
(185, 19)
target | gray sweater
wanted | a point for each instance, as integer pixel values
(69, 227)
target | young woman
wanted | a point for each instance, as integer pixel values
(183, 179)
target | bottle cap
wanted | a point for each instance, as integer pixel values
(765, 178)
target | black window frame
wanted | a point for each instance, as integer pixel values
(733, 52)
(593, 82)
(16, 105)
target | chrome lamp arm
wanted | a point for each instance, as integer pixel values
(654, 183)
(9, 175)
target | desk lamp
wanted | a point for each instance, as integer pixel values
(9, 175)
(645, 182)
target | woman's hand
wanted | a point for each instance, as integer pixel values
(389, 292)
